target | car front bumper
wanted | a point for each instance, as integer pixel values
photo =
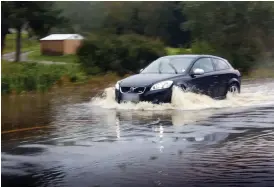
(155, 96)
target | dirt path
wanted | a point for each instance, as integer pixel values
(24, 58)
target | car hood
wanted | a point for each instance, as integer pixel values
(144, 79)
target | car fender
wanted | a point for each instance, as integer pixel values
(234, 80)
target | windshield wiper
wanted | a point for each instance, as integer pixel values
(173, 68)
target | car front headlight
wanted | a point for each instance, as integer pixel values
(117, 86)
(161, 85)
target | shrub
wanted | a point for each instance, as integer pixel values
(178, 51)
(202, 47)
(26, 76)
(197, 47)
(122, 54)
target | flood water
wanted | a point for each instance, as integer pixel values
(75, 138)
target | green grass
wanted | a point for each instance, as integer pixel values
(27, 44)
(25, 76)
(36, 55)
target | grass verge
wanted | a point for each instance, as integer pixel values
(36, 55)
(33, 77)
(24, 76)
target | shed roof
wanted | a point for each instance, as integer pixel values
(63, 37)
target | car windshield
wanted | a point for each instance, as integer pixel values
(172, 65)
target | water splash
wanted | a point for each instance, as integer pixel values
(251, 95)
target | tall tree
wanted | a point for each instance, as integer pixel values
(40, 16)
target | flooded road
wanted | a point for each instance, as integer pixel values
(74, 139)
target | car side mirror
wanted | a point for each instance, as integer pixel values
(198, 71)
(141, 70)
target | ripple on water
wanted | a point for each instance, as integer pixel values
(99, 143)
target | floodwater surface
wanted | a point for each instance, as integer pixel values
(78, 139)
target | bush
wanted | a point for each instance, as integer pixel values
(122, 54)
(26, 76)
(197, 47)
(178, 51)
(202, 47)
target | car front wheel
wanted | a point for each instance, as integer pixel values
(233, 89)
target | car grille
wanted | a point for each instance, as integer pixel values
(138, 90)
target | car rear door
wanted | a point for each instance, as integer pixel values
(222, 70)
(206, 83)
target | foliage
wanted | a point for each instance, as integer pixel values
(202, 47)
(39, 16)
(36, 55)
(239, 31)
(178, 51)
(83, 16)
(131, 34)
(18, 77)
(122, 54)
(198, 47)
(242, 32)
(152, 19)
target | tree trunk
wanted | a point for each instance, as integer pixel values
(4, 32)
(18, 45)
(2, 43)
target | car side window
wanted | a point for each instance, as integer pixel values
(220, 64)
(205, 64)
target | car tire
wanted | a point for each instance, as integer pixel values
(233, 89)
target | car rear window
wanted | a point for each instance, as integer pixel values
(220, 64)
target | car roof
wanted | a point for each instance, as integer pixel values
(195, 56)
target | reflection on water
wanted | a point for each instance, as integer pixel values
(81, 144)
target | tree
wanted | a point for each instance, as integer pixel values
(239, 31)
(39, 16)
(84, 16)
(159, 20)
(4, 23)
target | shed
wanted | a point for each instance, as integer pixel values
(60, 44)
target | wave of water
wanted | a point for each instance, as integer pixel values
(251, 95)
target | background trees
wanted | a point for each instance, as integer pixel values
(40, 17)
(152, 19)
(243, 32)
(239, 31)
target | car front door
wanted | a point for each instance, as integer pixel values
(205, 83)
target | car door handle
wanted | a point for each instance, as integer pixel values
(215, 76)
